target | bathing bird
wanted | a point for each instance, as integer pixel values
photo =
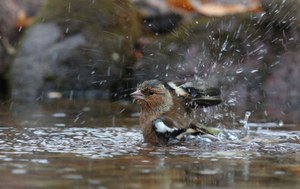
(167, 109)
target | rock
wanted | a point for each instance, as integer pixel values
(36, 60)
(14, 18)
(77, 48)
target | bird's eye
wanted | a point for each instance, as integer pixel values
(148, 92)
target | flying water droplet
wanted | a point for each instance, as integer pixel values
(59, 114)
(280, 124)
(254, 71)
(108, 71)
(244, 121)
(240, 70)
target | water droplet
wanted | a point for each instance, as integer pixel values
(167, 67)
(108, 71)
(67, 30)
(59, 124)
(59, 114)
(115, 56)
(240, 70)
(53, 95)
(254, 71)
(244, 121)
(280, 124)
(279, 172)
(73, 177)
(42, 161)
(19, 171)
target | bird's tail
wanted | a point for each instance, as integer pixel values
(202, 129)
(197, 128)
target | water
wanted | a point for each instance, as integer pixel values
(99, 145)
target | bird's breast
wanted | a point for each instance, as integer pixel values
(146, 123)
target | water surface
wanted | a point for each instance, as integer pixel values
(99, 145)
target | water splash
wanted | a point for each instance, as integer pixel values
(236, 135)
(90, 142)
(117, 141)
(246, 128)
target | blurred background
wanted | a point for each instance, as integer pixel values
(93, 50)
(67, 67)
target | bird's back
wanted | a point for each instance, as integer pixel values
(180, 113)
(196, 93)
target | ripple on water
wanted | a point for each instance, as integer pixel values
(92, 142)
(115, 141)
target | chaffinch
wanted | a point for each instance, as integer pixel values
(167, 108)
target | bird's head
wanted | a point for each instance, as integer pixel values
(152, 94)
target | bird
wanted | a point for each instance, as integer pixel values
(167, 108)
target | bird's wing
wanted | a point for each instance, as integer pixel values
(163, 130)
(167, 128)
(197, 93)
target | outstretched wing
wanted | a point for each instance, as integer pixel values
(197, 93)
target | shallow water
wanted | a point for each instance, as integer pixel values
(99, 145)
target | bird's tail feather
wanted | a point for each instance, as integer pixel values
(202, 129)
(204, 97)
(197, 128)
(197, 93)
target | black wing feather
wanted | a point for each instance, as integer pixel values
(197, 93)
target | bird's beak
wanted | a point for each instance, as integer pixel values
(138, 95)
